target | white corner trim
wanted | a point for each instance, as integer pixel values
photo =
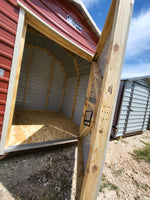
(51, 28)
(16, 52)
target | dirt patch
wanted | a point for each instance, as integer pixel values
(124, 177)
(39, 175)
(49, 174)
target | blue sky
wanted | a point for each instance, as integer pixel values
(137, 58)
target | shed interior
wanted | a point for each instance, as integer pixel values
(51, 92)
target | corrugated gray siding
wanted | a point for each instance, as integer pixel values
(134, 111)
(80, 99)
(69, 96)
(56, 90)
(23, 77)
(39, 80)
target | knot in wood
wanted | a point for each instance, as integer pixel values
(94, 168)
(116, 47)
(101, 131)
(110, 88)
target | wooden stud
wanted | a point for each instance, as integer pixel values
(97, 79)
(106, 30)
(80, 168)
(62, 99)
(91, 104)
(86, 130)
(88, 93)
(105, 110)
(27, 80)
(16, 79)
(50, 80)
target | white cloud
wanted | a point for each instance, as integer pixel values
(90, 3)
(135, 70)
(139, 35)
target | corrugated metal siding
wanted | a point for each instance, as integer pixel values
(134, 109)
(56, 90)
(9, 19)
(80, 99)
(55, 13)
(69, 96)
(23, 77)
(38, 79)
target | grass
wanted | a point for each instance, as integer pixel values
(64, 184)
(107, 184)
(144, 153)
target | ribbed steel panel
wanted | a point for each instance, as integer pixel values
(80, 99)
(69, 96)
(134, 110)
(56, 90)
(55, 14)
(38, 80)
(9, 20)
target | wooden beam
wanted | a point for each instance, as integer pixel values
(88, 93)
(97, 79)
(77, 86)
(62, 99)
(18, 60)
(86, 130)
(80, 168)
(105, 110)
(44, 28)
(91, 104)
(106, 30)
(27, 80)
(50, 80)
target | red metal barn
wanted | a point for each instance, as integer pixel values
(56, 73)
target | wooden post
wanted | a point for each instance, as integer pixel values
(62, 99)
(14, 79)
(105, 108)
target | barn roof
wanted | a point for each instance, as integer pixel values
(79, 4)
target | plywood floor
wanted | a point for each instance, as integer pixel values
(35, 126)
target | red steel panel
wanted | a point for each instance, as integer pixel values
(9, 19)
(55, 14)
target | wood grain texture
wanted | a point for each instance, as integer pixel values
(106, 30)
(35, 126)
(107, 100)
(16, 79)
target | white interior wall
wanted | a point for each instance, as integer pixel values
(39, 80)
(69, 96)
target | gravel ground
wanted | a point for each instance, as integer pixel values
(49, 174)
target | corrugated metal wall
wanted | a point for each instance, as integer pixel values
(9, 20)
(38, 81)
(134, 110)
(69, 96)
(80, 99)
(56, 90)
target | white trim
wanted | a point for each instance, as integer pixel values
(19, 32)
(51, 28)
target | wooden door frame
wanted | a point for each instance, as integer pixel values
(117, 24)
(14, 79)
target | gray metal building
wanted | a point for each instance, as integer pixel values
(132, 112)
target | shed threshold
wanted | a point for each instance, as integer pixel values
(31, 128)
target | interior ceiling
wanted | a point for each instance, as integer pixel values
(35, 38)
